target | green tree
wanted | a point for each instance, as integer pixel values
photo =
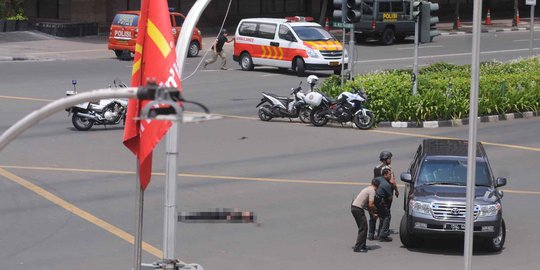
(11, 7)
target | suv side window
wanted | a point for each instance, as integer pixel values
(385, 7)
(416, 161)
(248, 29)
(267, 30)
(179, 20)
(285, 33)
(367, 8)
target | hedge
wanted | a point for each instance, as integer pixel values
(443, 90)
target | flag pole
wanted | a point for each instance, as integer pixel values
(169, 222)
(139, 197)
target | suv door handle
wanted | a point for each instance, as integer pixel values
(274, 44)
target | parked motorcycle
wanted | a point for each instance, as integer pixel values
(349, 106)
(272, 105)
(104, 112)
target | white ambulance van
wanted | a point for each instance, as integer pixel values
(292, 43)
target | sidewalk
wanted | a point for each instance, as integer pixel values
(37, 46)
(503, 25)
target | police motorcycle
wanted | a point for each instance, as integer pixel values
(349, 106)
(103, 112)
(272, 105)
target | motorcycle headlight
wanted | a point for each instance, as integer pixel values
(489, 210)
(312, 53)
(420, 207)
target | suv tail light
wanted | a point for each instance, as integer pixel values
(373, 24)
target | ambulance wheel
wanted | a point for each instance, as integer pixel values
(388, 36)
(193, 49)
(245, 62)
(299, 67)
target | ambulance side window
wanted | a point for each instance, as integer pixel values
(248, 29)
(267, 30)
(286, 34)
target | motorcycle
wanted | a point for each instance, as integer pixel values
(349, 106)
(104, 112)
(272, 105)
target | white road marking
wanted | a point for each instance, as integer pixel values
(441, 56)
(420, 47)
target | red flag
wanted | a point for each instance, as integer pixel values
(155, 60)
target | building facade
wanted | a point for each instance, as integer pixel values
(103, 11)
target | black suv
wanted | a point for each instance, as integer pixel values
(435, 195)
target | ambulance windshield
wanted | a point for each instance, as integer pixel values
(312, 33)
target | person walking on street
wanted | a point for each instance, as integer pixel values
(364, 201)
(383, 199)
(386, 160)
(217, 49)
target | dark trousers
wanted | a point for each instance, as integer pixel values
(361, 222)
(384, 216)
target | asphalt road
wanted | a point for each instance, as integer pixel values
(67, 197)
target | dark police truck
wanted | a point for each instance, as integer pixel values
(435, 195)
(388, 20)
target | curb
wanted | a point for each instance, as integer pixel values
(468, 32)
(457, 122)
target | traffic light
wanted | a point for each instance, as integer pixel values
(347, 11)
(416, 9)
(428, 22)
(340, 11)
(353, 10)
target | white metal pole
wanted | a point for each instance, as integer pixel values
(343, 55)
(351, 52)
(415, 65)
(59, 105)
(531, 35)
(169, 224)
(182, 45)
(139, 205)
(473, 115)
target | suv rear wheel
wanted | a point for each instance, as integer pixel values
(405, 236)
(496, 243)
(388, 36)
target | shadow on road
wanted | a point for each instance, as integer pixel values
(452, 247)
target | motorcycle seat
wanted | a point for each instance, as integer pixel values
(278, 97)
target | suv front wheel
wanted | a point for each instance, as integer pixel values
(496, 243)
(405, 236)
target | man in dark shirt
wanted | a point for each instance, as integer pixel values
(383, 199)
(217, 49)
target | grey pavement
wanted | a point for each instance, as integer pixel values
(37, 46)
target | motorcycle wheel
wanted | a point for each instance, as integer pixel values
(305, 115)
(318, 117)
(364, 121)
(262, 115)
(81, 123)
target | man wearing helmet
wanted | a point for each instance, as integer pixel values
(386, 160)
(217, 49)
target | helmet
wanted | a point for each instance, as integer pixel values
(312, 79)
(385, 155)
(223, 31)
